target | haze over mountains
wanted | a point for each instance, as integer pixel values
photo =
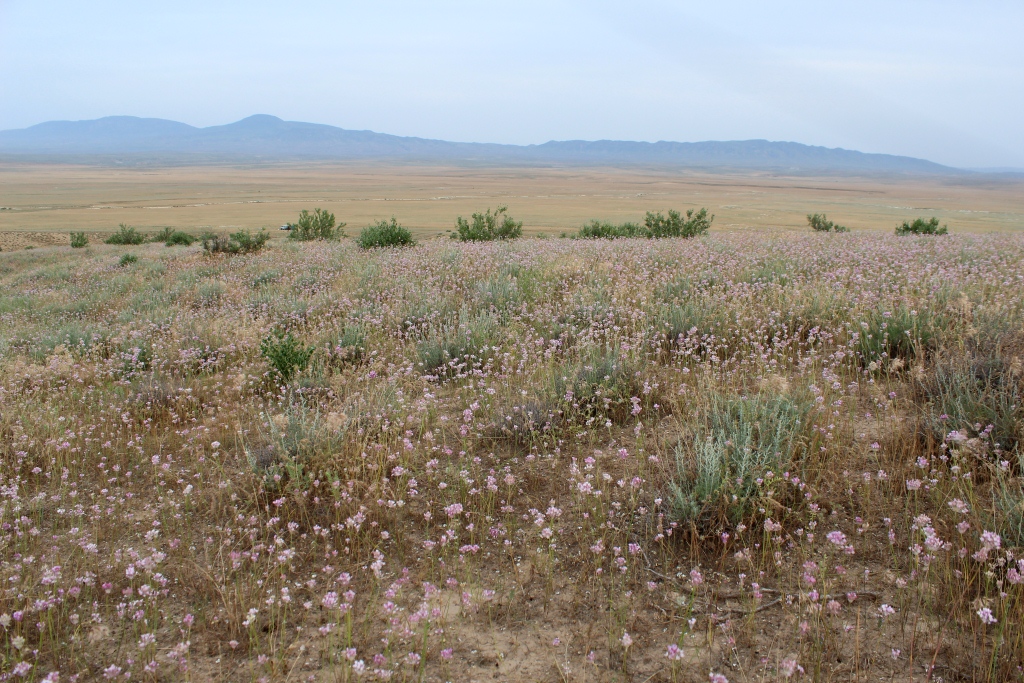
(268, 138)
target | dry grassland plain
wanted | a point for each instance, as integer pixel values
(42, 202)
(761, 454)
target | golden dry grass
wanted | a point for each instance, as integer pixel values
(48, 198)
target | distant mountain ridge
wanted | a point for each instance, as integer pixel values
(266, 137)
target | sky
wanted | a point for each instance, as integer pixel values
(933, 79)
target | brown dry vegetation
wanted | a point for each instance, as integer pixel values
(47, 198)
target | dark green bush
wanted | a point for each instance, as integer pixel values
(242, 242)
(485, 227)
(319, 225)
(674, 225)
(127, 260)
(603, 230)
(79, 240)
(820, 223)
(285, 354)
(126, 235)
(384, 234)
(921, 227)
(179, 238)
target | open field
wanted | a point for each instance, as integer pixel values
(761, 455)
(43, 202)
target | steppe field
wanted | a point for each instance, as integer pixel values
(759, 454)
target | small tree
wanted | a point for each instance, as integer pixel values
(922, 227)
(820, 223)
(385, 234)
(79, 240)
(485, 227)
(319, 225)
(285, 353)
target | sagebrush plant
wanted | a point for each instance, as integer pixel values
(126, 235)
(771, 455)
(487, 226)
(319, 225)
(819, 222)
(920, 226)
(79, 240)
(385, 234)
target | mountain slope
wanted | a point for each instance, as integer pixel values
(268, 137)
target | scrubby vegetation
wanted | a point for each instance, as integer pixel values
(385, 234)
(820, 223)
(241, 242)
(171, 237)
(79, 240)
(488, 226)
(656, 225)
(920, 226)
(763, 457)
(126, 235)
(319, 225)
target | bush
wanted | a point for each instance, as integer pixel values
(126, 235)
(127, 260)
(79, 240)
(384, 234)
(922, 227)
(242, 242)
(820, 223)
(599, 230)
(285, 354)
(319, 225)
(485, 227)
(673, 225)
(171, 237)
(725, 475)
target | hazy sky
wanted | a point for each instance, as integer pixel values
(930, 78)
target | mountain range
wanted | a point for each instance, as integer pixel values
(268, 138)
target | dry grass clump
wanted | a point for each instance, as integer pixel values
(749, 457)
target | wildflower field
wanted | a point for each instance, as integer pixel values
(743, 457)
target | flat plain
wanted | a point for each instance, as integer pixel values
(43, 202)
(759, 454)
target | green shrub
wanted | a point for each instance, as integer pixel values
(242, 242)
(674, 225)
(723, 476)
(126, 235)
(285, 354)
(603, 230)
(79, 240)
(453, 348)
(127, 260)
(179, 238)
(319, 225)
(384, 234)
(820, 223)
(485, 227)
(898, 334)
(922, 227)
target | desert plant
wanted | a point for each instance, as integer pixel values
(889, 338)
(126, 235)
(604, 230)
(486, 227)
(286, 354)
(385, 234)
(724, 474)
(79, 240)
(127, 260)
(171, 237)
(241, 242)
(673, 225)
(820, 223)
(921, 227)
(319, 225)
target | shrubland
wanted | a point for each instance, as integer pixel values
(743, 456)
